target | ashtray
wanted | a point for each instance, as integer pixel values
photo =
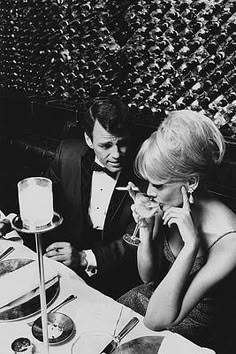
(60, 328)
(22, 345)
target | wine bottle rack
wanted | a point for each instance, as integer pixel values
(158, 55)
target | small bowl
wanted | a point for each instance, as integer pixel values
(60, 328)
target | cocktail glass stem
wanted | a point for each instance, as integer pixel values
(136, 230)
(133, 239)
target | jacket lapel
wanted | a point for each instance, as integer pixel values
(117, 198)
(86, 178)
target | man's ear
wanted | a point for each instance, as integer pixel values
(88, 140)
(193, 183)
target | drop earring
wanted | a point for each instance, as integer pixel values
(191, 198)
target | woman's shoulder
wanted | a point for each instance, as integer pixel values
(217, 221)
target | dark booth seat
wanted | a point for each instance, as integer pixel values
(31, 132)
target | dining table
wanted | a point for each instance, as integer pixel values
(92, 312)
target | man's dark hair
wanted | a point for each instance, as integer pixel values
(110, 112)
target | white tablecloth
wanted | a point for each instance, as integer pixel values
(91, 311)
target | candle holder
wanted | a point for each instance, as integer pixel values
(37, 217)
(18, 225)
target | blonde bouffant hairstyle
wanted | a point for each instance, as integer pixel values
(185, 145)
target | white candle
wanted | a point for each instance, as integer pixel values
(35, 202)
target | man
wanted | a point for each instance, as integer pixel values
(96, 214)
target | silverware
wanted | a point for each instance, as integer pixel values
(118, 321)
(66, 301)
(6, 253)
(114, 343)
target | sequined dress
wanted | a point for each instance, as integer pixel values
(210, 320)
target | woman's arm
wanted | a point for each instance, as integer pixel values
(169, 294)
(150, 250)
(165, 304)
(150, 221)
(174, 298)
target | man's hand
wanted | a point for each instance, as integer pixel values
(65, 253)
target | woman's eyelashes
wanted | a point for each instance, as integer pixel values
(158, 186)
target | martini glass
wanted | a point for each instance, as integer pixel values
(146, 207)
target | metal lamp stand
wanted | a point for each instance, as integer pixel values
(18, 225)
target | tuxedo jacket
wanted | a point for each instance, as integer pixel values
(71, 174)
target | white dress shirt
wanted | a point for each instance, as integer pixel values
(102, 187)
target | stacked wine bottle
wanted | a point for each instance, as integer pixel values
(158, 55)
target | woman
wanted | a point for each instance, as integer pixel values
(187, 254)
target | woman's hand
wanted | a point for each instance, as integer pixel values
(183, 219)
(133, 190)
(144, 208)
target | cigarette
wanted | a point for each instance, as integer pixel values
(127, 188)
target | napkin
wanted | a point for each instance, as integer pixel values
(174, 343)
(11, 235)
(104, 316)
(20, 282)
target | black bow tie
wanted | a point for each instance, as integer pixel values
(99, 168)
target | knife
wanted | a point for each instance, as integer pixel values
(113, 344)
(6, 253)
